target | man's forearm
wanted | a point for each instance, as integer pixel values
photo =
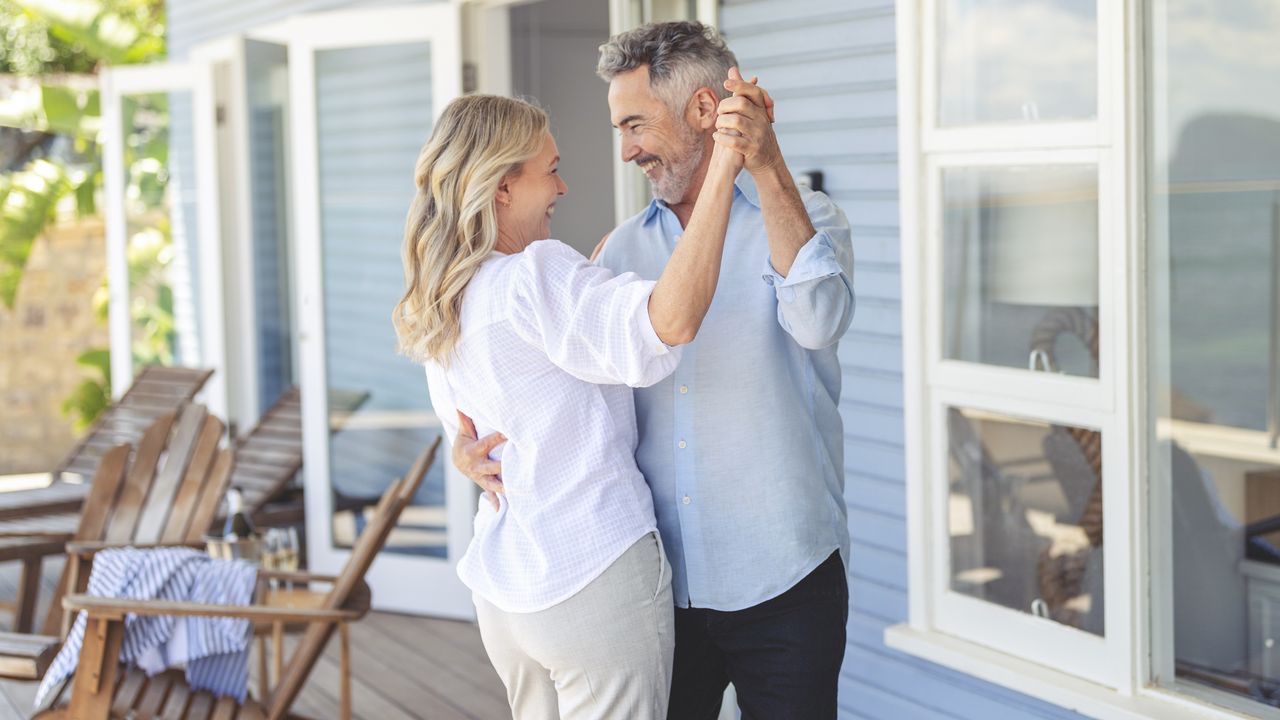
(786, 222)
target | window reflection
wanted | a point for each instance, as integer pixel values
(1025, 516)
(1020, 265)
(1214, 253)
(1004, 61)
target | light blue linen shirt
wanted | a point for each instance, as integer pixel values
(743, 446)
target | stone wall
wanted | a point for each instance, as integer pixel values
(51, 323)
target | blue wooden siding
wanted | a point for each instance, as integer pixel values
(830, 64)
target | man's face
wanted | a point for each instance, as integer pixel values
(667, 147)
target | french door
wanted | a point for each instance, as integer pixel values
(364, 89)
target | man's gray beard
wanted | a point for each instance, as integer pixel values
(673, 185)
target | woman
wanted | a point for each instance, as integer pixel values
(524, 336)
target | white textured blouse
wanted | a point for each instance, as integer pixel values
(549, 345)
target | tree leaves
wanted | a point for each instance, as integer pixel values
(27, 200)
(117, 38)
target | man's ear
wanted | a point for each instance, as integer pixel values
(703, 108)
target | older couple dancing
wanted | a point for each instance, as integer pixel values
(656, 433)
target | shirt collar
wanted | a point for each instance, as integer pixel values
(744, 186)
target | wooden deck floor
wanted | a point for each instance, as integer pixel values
(404, 668)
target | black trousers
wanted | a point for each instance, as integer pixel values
(783, 656)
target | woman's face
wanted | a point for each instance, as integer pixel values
(526, 202)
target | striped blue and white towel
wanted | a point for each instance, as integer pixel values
(214, 650)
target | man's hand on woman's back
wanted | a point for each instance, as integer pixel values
(471, 457)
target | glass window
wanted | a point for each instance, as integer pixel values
(1025, 516)
(1015, 61)
(1020, 266)
(1213, 210)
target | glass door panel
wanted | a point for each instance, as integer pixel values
(373, 107)
(266, 71)
(365, 89)
(159, 217)
(149, 192)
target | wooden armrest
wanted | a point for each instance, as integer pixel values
(34, 535)
(89, 548)
(295, 576)
(117, 608)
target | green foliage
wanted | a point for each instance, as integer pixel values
(27, 199)
(28, 47)
(118, 33)
(39, 37)
(93, 394)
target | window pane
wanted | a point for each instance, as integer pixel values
(1213, 234)
(1025, 509)
(1020, 265)
(1007, 61)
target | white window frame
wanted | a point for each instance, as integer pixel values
(1087, 402)
(1123, 686)
(405, 583)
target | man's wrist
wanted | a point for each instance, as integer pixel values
(773, 176)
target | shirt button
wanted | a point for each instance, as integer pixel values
(684, 389)
(686, 500)
(682, 444)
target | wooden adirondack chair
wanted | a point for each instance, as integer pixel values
(35, 523)
(270, 455)
(169, 496)
(156, 391)
(102, 689)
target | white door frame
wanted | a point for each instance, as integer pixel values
(115, 84)
(404, 583)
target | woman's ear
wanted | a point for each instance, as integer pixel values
(504, 192)
(704, 106)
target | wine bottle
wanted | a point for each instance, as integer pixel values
(237, 526)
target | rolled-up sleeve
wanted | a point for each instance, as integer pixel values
(591, 323)
(816, 298)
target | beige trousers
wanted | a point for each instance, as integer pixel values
(606, 652)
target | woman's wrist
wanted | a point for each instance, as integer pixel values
(723, 160)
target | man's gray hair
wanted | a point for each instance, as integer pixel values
(682, 57)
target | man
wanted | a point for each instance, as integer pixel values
(743, 445)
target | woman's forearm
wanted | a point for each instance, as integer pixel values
(683, 294)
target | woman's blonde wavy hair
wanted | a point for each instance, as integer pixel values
(452, 224)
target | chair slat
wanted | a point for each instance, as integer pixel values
(129, 691)
(186, 433)
(191, 494)
(136, 486)
(206, 508)
(151, 700)
(224, 709)
(94, 515)
(200, 707)
(175, 706)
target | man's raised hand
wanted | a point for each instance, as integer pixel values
(747, 122)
